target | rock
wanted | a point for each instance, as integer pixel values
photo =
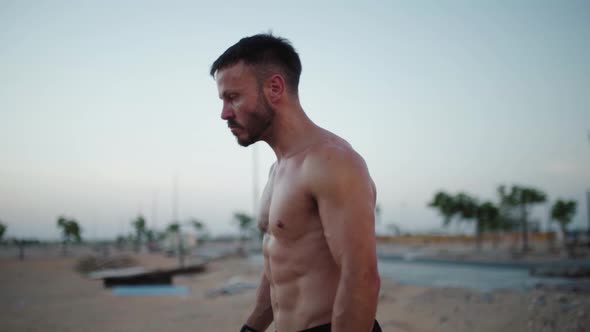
(540, 300)
(234, 285)
(487, 298)
(443, 319)
(560, 271)
(541, 287)
(385, 298)
(565, 307)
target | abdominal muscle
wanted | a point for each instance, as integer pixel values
(303, 279)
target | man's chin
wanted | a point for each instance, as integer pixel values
(245, 142)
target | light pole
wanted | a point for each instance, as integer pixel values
(588, 199)
(175, 219)
(175, 198)
(154, 210)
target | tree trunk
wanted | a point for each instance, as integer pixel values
(479, 234)
(137, 242)
(569, 247)
(525, 231)
(551, 241)
(180, 251)
(21, 251)
(564, 239)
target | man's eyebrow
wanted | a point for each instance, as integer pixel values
(226, 94)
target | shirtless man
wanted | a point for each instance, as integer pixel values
(317, 209)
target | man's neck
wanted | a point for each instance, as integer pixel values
(292, 132)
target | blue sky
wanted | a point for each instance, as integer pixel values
(103, 103)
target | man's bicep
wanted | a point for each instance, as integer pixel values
(346, 202)
(349, 229)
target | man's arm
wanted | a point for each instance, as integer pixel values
(345, 195)
(261, 316)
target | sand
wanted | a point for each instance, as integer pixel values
(45, 293)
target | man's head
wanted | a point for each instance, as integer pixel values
(266, 54)
(253, 77)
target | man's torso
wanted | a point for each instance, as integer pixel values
(298, 263)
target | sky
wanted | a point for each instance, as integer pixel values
(107, 106)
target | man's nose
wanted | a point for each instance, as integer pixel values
(227, 112)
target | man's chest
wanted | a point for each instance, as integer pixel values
(287, 209)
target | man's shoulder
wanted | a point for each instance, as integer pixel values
(332, 150)
(334, 169)
(333, 158)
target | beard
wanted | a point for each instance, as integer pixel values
(257, 122)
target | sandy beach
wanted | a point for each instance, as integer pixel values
(45, 293)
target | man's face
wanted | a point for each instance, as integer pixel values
(245, 107)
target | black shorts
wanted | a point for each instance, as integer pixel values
(328, 328)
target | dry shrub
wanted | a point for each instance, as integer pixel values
(89, 264)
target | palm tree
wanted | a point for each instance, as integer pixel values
(507, 219)
(200, 229)
(75, 231)
(563, 212)
(446, 206)
(467, 208)
(150, 235)
(521, 198)
(2, 231)
(245, 224)
(174, 228)
(247, 228)
(140, 230)
(71, 232)
(394, 228)
(378, 212)
(487, 219)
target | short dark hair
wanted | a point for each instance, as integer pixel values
(263, 50)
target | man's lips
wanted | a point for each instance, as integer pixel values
(233, 126)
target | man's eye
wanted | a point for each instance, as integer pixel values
(232, 96)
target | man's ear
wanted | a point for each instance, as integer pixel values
(276, 88)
